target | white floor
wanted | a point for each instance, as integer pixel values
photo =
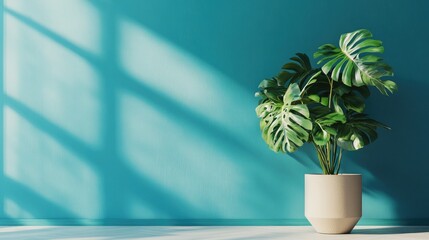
(207, 233)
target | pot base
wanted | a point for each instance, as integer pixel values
(333, 225)
(333, 203)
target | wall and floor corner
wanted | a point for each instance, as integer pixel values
(142, 112)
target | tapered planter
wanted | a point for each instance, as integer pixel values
(333, 203)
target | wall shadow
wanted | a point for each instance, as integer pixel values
(26, 198)
(169, 106)
(394, 164)
(402, 182)
(118, 181)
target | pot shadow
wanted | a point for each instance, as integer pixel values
(391, 230)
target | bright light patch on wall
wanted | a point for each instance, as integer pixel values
(53, 81)
(137, 209)
(177, 158)
(190, 122)
(78, 21)
(49, 173)
(12, 209)
(164, 67)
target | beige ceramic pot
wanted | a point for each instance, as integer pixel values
(333, 203)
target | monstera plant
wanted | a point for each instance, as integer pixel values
(325, 105)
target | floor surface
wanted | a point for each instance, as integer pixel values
(207, 233)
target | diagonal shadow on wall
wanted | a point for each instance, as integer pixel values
(115, 194)
(119, 181)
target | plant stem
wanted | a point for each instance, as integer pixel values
(322, 159)
(339, 160)
(331, 83)
(304, 89)
(334, 154)
(328, 155)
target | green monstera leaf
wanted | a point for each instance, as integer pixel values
(297, 71)
(354, 62)
(325, 129)
(358, 131)
(352, 98)
(285, 126)
(324, 124)
(270, 90)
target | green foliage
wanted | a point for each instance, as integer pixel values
(285, 125)
(358, 131)
(354, 63)
(325, 106)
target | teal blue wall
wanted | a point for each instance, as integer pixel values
(127, 110)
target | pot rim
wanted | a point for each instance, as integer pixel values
(328, 175)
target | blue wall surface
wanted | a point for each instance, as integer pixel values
(142, 112)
